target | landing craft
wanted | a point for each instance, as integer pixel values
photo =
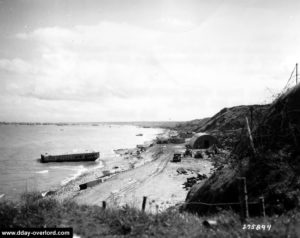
(86, 156)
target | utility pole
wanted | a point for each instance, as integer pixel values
(251, 118)
(296, 73)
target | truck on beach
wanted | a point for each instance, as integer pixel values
(177, 157)
(76, 157)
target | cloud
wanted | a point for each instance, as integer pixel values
(176, 24)
(122, 71)
(93, 62)
(17, 65)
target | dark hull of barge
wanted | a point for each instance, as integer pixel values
(91, 156)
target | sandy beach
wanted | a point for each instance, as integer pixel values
(135, 174)
(124, 160)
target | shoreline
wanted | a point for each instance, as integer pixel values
(161, 181)
(123, 160)
(128, 174)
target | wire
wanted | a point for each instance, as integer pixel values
(218, 204)
(289, 78)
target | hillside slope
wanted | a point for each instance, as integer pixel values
(273, 170)
(227, 124)
(192, 126)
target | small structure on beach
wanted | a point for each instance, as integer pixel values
(202, 141)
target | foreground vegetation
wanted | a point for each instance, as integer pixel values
(93, 221)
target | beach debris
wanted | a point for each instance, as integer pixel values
(106, 175)
(181, 171)
(176, 140)
(193, 180)
(189, 182)
(202, 176)
(208, 153)
(186, 134)
(198, 155)
(141, 147)
(162, 140)
(106, 172)
(90, 184)
(188, 152)
(214, 149)
(121, 151)
(140, 134)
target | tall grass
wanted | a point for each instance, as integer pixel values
(93, 221)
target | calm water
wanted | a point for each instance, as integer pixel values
(21, 146)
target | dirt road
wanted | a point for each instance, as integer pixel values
(124, 183)
(158, 180)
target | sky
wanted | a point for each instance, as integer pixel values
(141, 60)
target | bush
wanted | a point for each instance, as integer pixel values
(8, 212)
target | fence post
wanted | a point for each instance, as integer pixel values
(104, 205)
(262, 206)
(243, 198)
(144, 203)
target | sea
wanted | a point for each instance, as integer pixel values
(21, 147)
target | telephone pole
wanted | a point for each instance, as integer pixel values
(296, 73)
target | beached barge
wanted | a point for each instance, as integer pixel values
(86, 156)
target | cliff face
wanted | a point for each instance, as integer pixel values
(273, 170)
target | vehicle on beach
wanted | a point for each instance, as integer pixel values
(85, 156)
(198, 154)
(188, 152)
(177, 157)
